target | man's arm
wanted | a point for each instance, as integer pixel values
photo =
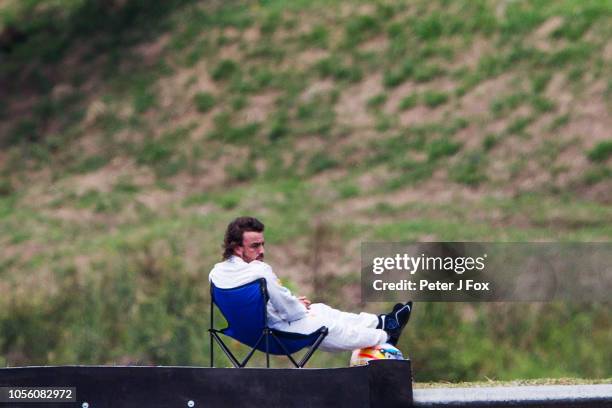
(288, 306)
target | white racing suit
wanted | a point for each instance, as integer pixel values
(347, 331)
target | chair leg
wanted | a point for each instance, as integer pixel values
(212, 356)
(267, 331)
(282, 346)
(224, 348)
(212, 327)
(248, 357)
(312, 350)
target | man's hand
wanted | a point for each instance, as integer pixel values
(305, 301)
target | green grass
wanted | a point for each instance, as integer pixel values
(318, 37)
(224, 70)
(442, 148)
(24, 131)
(409, 102)
(519, 125)
(6, 187)
(89, 164)
(226, 132)
(490, 141)
(398, 74)
(504, 105)
(434, 99)
(411, 172)
(377, 101)
(242, 172)
(334, 67)
(597, 175)
(204, 101)
(470, 170)
(118, 267)
(360, 28)
(320, 162)
(348, 190)
(143, 100)
(427, 73)
(600, 152)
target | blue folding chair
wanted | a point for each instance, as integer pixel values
(244, 308)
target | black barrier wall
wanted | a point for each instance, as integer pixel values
(380, 384)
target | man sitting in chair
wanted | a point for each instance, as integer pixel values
(243, 263)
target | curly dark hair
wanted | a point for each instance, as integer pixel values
(235, 230)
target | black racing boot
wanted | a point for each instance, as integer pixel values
(393, 323)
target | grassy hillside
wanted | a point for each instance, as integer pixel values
(131, 134)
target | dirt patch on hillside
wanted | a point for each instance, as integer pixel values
(176, 92)
(540, 38)
(558, 91)
(395, 96)
(259, 108)
(420, 115)
(150, 52)
(306, 59)
(592, 118)
(158, 200)
(607, 52)
(251, 34)
(376, 44)
(477, 102)
(433, 191)
(471, 57)
(317, 88)
(104, 179)
(351, 109)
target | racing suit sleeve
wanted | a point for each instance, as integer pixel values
(288, 306)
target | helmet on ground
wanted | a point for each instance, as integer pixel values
(380, 352)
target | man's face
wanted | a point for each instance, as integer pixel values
(252, 247)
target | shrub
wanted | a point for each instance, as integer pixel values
(317, 37)
(507, 103)
(242, 172)
(597, 175)
(412, 172)
(426, 73)
(224, 70)
(348, 190)
(541, 104)
(228, 201)
(204, 101)
(279, 127)
(540, 82)
(377, 101)
(239, 102)
(6, 187)
(271, 23)
(470, 170)
(429, 28)
(409, 102)
(433, 98)
(89, 164)
(333, 67)
(143, 97)
(519, 125)
(225, 131)
(26, 130)
(441, 148)
(394, 77)
(360, 28)
(319, 162)
(490, 141)
(601, 152)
